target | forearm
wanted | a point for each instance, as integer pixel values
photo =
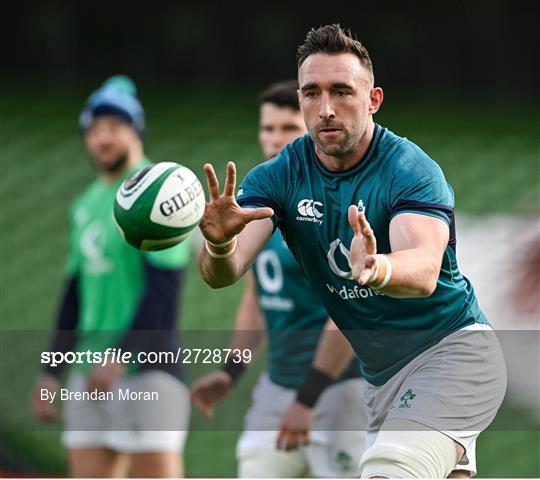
(65, 334)
(222, 272)
(414, 273)
(219, 272)
(154, 320)
(334, 352)
(250, 339)
(249, 328)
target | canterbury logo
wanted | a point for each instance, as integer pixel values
(331, 256)
(308, 208)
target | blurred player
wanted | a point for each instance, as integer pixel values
(279, 300)
(112, 292)
(369, 217)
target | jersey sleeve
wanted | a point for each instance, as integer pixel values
(265, 186)
(73, 261)
(171, 258)
(418, 186)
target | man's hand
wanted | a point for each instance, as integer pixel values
(223, 218)
(102, 378)
(295, 426)
(44, 410)
(208, 390)
(363, 247)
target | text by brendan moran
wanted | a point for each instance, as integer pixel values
(122, 394)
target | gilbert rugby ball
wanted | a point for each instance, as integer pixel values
(159, 206)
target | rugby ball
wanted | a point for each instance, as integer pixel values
(159, 206)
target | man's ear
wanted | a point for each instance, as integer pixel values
(376, 98)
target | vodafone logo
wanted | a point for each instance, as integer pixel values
(343, 252)
(339, 261)
(308, 210)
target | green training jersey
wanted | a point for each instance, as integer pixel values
(294, 315)
(110, 272)
(310, 204)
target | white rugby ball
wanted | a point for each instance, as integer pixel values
(159, 206)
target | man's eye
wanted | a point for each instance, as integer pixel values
(342, 93)
(291, 128)
(311, 94)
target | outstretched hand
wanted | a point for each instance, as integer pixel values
(223, 218)
(210, 389)
(363, 247)
(296, 424)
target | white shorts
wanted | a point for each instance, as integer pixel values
(455, 387)
(337, 439)
(130, 426)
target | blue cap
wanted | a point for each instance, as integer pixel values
(117, 96)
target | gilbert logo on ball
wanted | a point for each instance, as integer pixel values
(159, 206)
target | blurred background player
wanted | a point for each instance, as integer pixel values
(112, 292)
(278, 300)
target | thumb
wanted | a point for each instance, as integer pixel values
(251, 214)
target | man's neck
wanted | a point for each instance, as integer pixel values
(337, 164)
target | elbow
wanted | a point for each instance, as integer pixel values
(214, 282)
(427, 289)
(430, 285)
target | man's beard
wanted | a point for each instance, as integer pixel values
(341, 148)
(116, 166)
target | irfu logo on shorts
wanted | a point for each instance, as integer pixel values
(344, 460)
(407, 398)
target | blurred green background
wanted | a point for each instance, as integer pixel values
(489, 155)
(460, 80)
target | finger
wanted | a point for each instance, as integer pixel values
(209, 412)
(200, 405)
(293, 440)
(362, 220)
(367, 271)
(251, 214)
(367, 233)
(230, 180)
(211, 181)
(304, 439)
(352, 215)
(281, 442)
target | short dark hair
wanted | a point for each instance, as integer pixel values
(333, 39)
(281, 94)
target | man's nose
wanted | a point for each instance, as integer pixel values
(103, 137)
(327, 110)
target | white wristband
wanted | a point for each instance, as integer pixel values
(387, 276)
(222, 245)
(220, 255)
